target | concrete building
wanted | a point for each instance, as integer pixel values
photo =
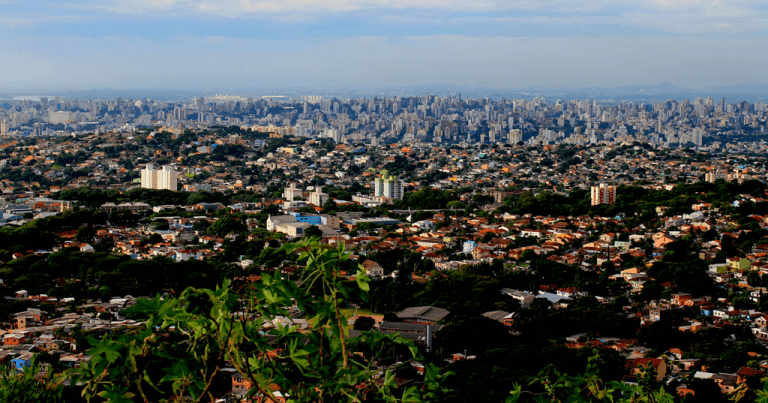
(56, 118)
(165, 178)
(388, 186)
(603, 194)
(318, 198)
(291, 193)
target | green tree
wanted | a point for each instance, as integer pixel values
(364, 323)
(313, 230)
(85, 234)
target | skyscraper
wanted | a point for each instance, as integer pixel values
(165, 178)
(515, 136)
(4, 127)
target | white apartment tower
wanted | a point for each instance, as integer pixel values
(318, 198)
(163, 179)
(292, 192)
(603, 194)
(388, 186)
(4, 127)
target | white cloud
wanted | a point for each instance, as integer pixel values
(14, 22)
(236, 8)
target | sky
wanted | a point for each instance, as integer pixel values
(503, 44)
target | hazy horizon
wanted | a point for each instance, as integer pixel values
(206, 44)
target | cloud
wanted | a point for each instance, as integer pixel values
(670, 16)
(15, 22)
(240, 8)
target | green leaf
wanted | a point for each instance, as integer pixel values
(116, 394)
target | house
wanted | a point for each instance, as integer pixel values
(727, 382)
(636, 366)
(745, 372)
(22, 361)
(187, 254)
(525, 298)
(504, 317)
(680, 298)
(570, 292)
(14, 339)
(30, 317)
(372, 269)
(73, 360)
(240, 385)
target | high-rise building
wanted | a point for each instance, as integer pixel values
(515, 136)
(388, 186)
(603, 194)
(165, 178)
(292, 192)
(334, 134)
(318, 198)
(4, 127)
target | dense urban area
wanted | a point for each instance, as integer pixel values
(497, 249)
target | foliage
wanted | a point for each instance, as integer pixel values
(187, 341)
(26, 387)
(364, 323)
(558, 387)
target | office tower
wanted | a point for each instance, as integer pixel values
(318, 198)
(388, 186)
(603, 194)
(199, 102)
(165, 178)
(292, 192)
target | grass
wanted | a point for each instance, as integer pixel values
(350, 312)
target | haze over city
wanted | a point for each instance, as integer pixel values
(209, 45)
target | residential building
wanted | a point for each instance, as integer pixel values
(162, 179)
(388, 186)
(603, 194)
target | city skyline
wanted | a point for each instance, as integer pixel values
(227, 44)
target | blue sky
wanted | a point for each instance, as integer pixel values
(83, 44)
